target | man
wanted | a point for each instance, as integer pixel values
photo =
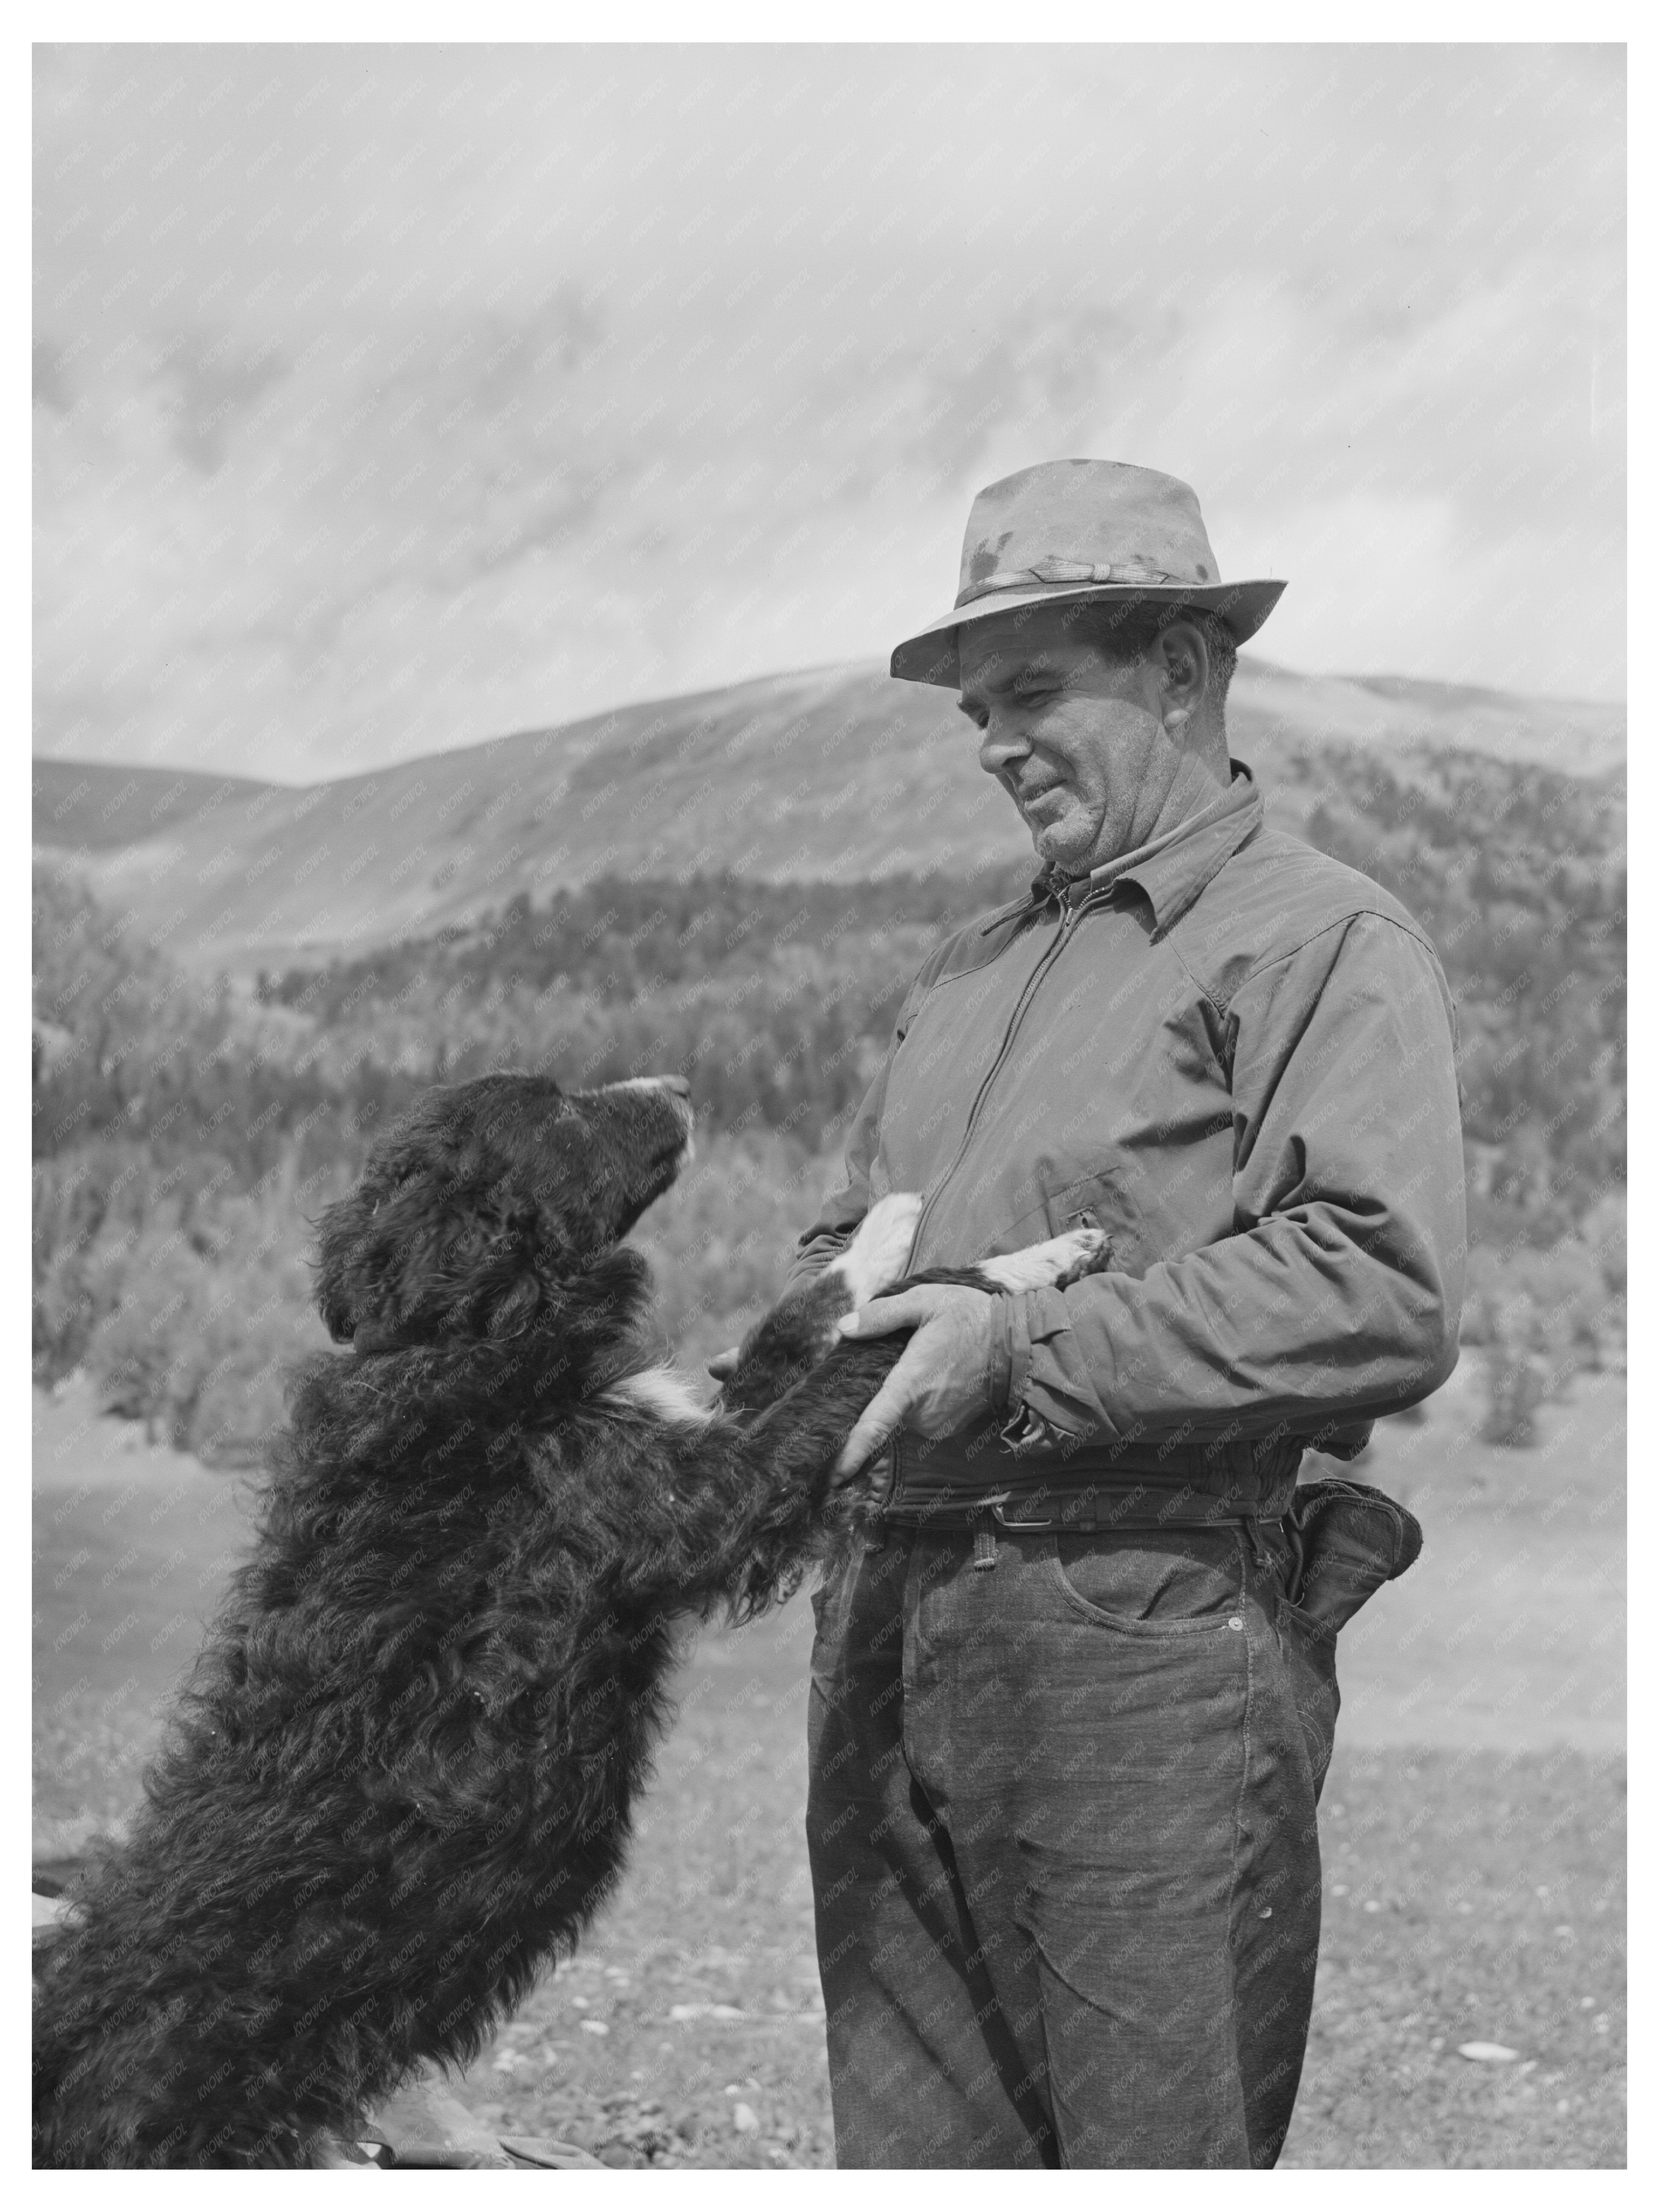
(1068, 1725)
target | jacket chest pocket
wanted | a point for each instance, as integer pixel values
(1096, 1201)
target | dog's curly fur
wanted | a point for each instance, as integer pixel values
(399, 1780)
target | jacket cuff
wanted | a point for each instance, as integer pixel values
(812, 1257)
(1040, 1384)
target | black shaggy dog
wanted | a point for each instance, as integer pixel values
(400, 1779)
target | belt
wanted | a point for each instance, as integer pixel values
(1089, 1490)
(1082, 1513)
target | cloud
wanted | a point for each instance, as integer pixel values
(386, 397)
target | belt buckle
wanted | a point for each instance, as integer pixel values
(1004, 1521)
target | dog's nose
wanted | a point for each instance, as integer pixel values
(676, 1083)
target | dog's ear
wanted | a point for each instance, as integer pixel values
(481, 1275)
(435, 1263)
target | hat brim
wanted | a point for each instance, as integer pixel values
(930, 656)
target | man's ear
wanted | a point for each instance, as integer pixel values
(1183, 660)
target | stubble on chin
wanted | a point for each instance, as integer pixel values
(1043, 846)
(1051, 845)
(1055, 849)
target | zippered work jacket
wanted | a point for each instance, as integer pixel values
(1235, 1055)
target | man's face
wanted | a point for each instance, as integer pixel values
(1076, 740)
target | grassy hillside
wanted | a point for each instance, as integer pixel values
(92, 807)
(834, 775)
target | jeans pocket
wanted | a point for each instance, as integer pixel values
(1176, 1582)
(1136, 1988)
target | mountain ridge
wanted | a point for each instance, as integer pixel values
(833, 772)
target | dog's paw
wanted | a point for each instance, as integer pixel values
(879, 1254)
(672, 1398)
(1050, 1266)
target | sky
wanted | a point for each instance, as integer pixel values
(389, 398)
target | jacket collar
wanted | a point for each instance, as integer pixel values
(1174, 870)
(1171, 872)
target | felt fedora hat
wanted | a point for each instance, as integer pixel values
(1083, 529)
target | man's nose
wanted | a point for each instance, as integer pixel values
(998, 745)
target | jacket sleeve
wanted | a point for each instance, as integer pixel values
(1337, 1296)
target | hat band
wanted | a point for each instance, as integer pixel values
(1052, 570)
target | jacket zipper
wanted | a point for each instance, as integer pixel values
(1044, 965)
(1068, 922)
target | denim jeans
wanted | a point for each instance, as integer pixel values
(1064, 1845)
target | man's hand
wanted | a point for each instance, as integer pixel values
(943, 1379)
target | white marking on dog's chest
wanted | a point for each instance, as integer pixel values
(666, 1393)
